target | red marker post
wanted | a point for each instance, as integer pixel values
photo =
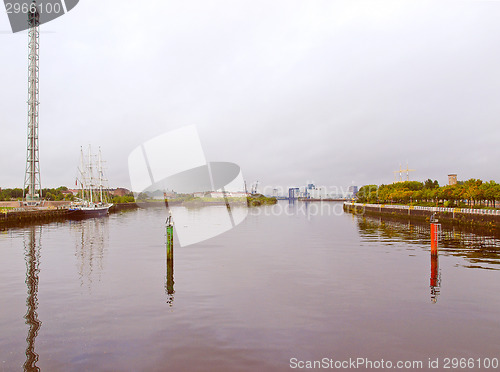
(434, 239)
(435, 229)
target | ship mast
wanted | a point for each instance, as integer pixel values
(91, 176)
(83, 178)
(99, 169)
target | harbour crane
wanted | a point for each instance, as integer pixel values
(400, 172)
(254, 187)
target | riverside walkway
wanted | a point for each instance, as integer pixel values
(410, 208)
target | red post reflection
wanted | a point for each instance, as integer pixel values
(435, 281)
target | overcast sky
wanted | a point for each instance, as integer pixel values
(335, 92)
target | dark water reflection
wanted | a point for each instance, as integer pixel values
(91, 239)
(32, 256)
(479, 251)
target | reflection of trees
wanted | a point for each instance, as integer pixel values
(91, 239)
(480, 250)
(32, 257)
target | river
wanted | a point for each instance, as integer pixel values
(291, 284)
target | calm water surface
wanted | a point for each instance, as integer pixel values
(98, 295)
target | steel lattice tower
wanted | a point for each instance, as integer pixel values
(32, 178)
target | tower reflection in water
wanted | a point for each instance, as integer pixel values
(169, 243)
(32, 257)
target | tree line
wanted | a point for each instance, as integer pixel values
(58, 194)
(470, 193)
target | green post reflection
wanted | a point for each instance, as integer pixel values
(169, 286)
(32, 257)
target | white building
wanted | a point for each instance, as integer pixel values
(229, 194)
(317, 193)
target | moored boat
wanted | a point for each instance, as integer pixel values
(92, 210)
(93, 196)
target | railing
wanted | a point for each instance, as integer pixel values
(493, 212)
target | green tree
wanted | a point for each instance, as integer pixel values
(429, 184)
(489, 192)
(472, 192)
(367, 194)
(69, 197)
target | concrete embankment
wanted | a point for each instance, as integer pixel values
(13, 213)
(452, 216)
(46, 204)
(27, 215)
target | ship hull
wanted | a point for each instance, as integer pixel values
(89, 212)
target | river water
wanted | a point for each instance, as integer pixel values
(290, 284)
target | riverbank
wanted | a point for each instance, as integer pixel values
(256, 200)
(453, 216)
(15, 214)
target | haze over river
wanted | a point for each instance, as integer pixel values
(290, 283)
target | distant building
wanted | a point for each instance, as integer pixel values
(311, 191)
(119, 192)
(238, 194)
(169, 194)
(228, 194)
(317, 193)
(293, 192)
(452, 179)
(352, 191)
(307, 190)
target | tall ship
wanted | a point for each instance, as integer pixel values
(93, 197)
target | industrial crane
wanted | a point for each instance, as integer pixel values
(400, 172)
(254, 187)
